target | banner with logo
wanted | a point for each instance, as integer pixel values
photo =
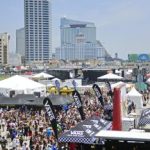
(98, 94)
(50, 112)
(77, 99)
(85, 131)
(110, 93)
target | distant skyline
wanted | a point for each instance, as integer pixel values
(123, 26)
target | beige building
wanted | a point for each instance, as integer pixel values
(4, 48)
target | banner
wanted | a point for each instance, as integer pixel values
(110, 93)
(50, 112)
(77, 98)
(98, 94)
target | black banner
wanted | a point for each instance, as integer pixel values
(98, 94)
(77, 98)
(50, 112)
(110, 93)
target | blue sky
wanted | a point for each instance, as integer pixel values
(123, 26)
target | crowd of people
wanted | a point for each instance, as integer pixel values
(29, 128)
(26, 129)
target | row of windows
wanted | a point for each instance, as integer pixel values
(45, 20)
(40, 43)
(36, 14)
(35, 5)
(44, 9)
(40, 49)
(36, 51)
(32, 21)
(32, 51)
(37, 36)
(37, 22)
(38, 54)
(46, 25)
(38, 28)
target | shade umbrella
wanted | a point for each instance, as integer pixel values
(110, 76)
(43, 75)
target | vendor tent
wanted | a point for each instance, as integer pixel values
(85, 131)
(136, 98)
(20, 85)
(110, 76)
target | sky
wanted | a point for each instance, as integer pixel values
(123, 26)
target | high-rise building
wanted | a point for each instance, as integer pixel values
(78, 41)
(20, 42)
(4, 48)
(38, 30)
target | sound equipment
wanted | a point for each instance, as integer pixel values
(37, 94)
(12, 93)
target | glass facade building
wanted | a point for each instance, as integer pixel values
(20, 42)
(38, 30)
(78, 41)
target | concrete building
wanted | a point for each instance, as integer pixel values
(20, 41)
(38, 30)
(4, 48)
(78, 41)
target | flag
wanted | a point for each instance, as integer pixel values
(57, 84)
(110, 93)
(98, 94)
(74, 83)
(77, 98)
(51, 114)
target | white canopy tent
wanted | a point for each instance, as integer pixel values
(136, 97)
(110, 76)
(42, 75)
(123, 135)
(20, 85)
